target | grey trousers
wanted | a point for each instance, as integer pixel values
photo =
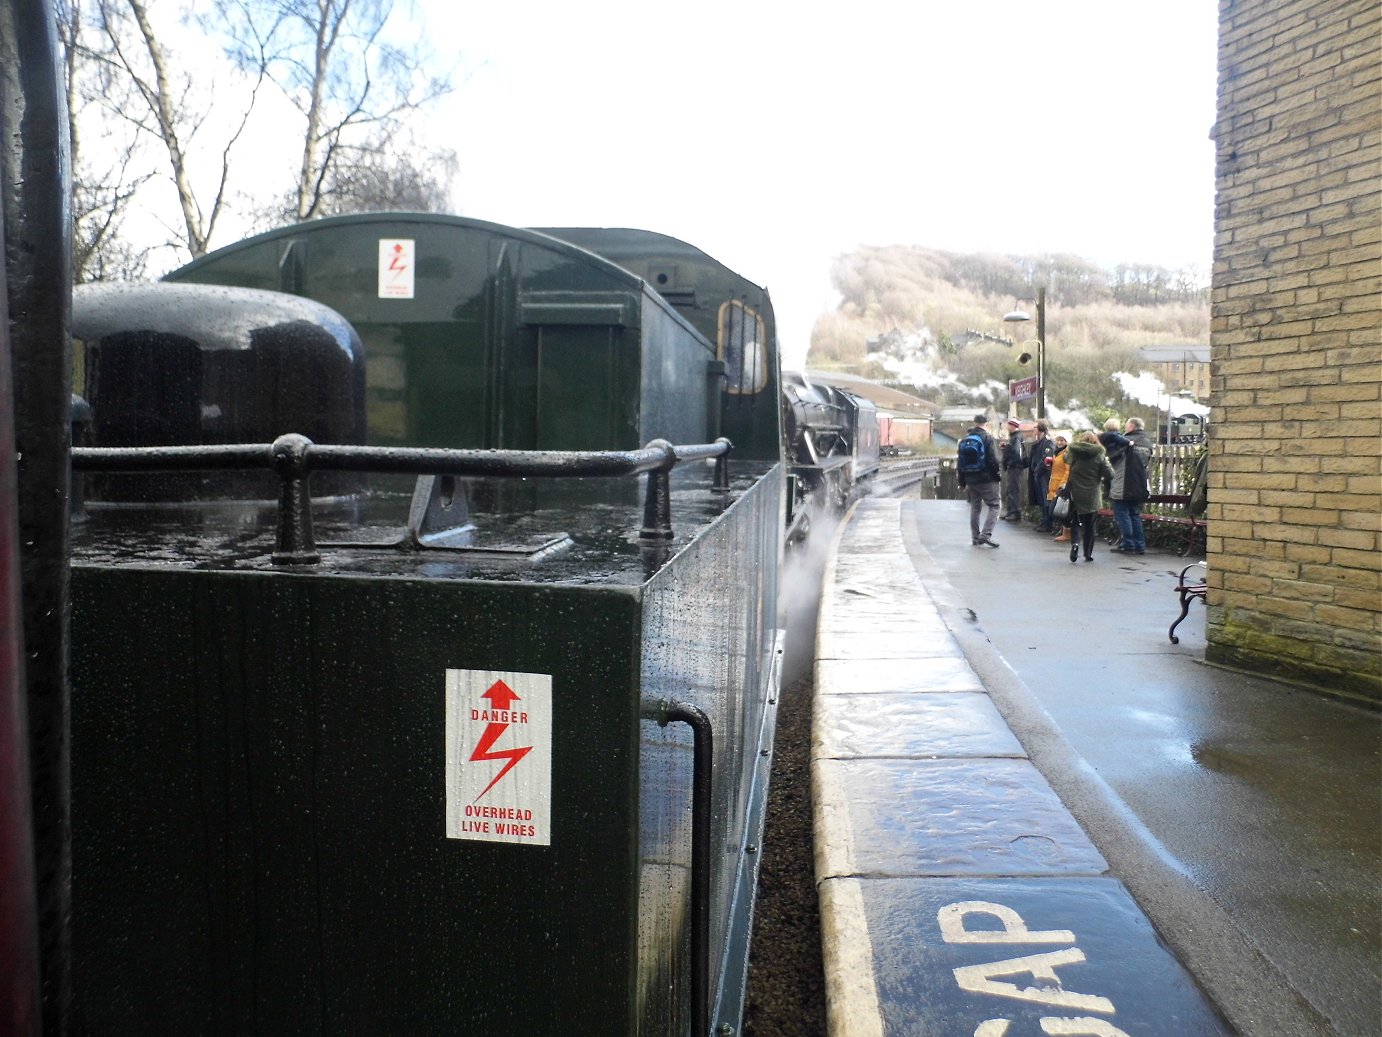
(982, 495)
(1013, 479)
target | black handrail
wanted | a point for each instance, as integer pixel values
(293, 458)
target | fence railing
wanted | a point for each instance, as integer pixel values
(1171, 468)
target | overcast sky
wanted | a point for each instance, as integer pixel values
(776, 136)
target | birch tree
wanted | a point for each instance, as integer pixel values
(354, 90)
(189, 84)
(107, 177)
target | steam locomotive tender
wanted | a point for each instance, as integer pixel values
(437, 718)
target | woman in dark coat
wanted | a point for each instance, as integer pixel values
(1089, 468)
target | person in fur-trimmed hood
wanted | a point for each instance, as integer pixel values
(1089, 468)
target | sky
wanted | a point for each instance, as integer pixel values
(778, 136)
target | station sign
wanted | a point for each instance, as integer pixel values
(499, 756)
(1023, 389)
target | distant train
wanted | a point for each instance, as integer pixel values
(431, 700)
(833, 446)
(1185, 428)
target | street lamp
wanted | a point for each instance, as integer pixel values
(1017, 317)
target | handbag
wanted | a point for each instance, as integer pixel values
(1061, 510)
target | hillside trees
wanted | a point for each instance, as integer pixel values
(185, 97)
(948, 307)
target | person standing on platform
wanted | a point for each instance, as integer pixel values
(1014, 472)
(1060, 472)
(1129, 488)
(1114, 444)
(1089, 468)
(977, 467)
(1039, 474)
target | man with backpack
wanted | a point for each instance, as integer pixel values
(977, 466)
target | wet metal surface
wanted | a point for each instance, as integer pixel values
(1030, 952)
(594, 523)
(948, 817)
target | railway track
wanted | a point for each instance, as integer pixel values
(898, 475)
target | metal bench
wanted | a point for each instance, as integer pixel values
(1188, 591)
(1194, 527)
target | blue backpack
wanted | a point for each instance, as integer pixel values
(973, 454)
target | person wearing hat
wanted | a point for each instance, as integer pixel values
(1039, 456)
(1014, 472)
(977, 468)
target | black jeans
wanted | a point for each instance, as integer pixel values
(1082, 533)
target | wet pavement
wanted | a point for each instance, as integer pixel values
(1172, 819)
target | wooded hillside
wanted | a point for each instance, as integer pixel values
(936, 319)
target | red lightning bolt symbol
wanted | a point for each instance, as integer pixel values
(501, 696)
(482, 752)
(396, 263)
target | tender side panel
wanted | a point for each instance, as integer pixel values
(259, 806)
(709, 640)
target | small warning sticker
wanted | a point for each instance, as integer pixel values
(499, 756)
(396, 268)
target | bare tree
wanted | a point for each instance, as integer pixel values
(354, 90)
(106, 178)
(374, 179)
(149, 93)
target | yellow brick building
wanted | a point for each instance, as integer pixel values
(1295, 490)
(1179, 368)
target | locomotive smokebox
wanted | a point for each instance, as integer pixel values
(184, 365)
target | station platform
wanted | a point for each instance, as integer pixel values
(959, 894)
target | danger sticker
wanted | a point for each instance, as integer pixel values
(499, 756)
(396, 268)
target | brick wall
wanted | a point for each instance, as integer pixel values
(1296, 446)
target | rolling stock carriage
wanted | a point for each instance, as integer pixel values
(423, 652)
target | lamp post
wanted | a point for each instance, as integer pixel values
(1018, 316)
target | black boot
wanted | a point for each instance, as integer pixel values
(1074, 552)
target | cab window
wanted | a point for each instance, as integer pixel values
(741, 348)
